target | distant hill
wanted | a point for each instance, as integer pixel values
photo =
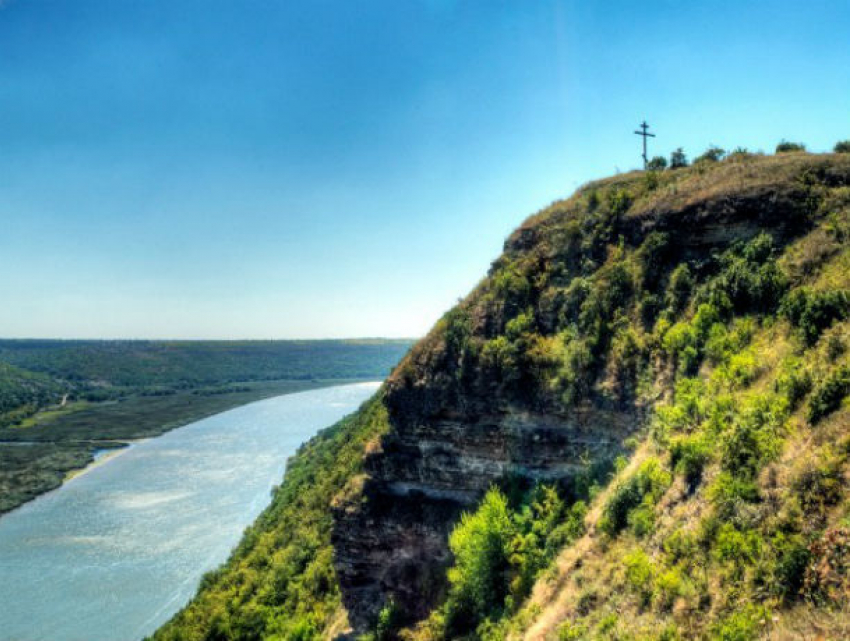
(635, 427)
(92, 366)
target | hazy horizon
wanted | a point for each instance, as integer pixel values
(221, 170)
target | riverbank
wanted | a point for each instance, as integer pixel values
(117, 551)
(53, 446)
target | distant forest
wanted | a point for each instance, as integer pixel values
(35, 373)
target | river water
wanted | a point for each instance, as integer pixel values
(116, 551)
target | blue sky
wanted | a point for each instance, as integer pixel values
(250, 169)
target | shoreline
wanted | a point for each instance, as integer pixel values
(107, 455)
(57, 461)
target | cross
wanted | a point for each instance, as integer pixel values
(645, 135)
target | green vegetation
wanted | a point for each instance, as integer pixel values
(658, 163)
(842, 147)
(712, 154)
(785, 146)
(678, 159)
(499, 551)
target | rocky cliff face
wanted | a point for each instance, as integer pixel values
(508, 386)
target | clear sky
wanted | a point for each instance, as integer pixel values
(251, 169)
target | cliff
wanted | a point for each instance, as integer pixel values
(635, 426)
(486, 398)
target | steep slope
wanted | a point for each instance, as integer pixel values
(552, 363)
(634, 427)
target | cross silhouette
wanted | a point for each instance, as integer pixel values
(645, 135)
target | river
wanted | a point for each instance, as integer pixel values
(116, 551)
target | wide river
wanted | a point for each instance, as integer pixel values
(116, 551)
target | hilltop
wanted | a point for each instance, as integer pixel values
(634, 427)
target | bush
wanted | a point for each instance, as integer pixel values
(828, 396)
(744, 625)
(789, 570)
(572, 632)
(729, 493)
(814, 311)
(793, 382)
(643, 488)
(749, 278)
(712, 154)
(479, 579)
(640, 573)
(688, 456)
(658, 163)
(669, 586)
(784, 147)
(754, 438)
(680, 288)
(678, 159)
(842, 147)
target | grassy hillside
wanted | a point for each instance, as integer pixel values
(712, 302)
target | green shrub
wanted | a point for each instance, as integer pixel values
(746, 624)
(712, 154)
(793, 382)
(749, 278)
(842, 147)
(389, 621)
(572, 632)
(680, 288)
(728, 493)
(669, 586)
(678, 159)
(814, 311)
(687, 411)
(784, 147)
(619, 201)
(688, 456)
(499, 552)
(791, 557)
(657, 163)
(828, 396)
(640, 573)
(643, 488)
(685, 341)
(734, 546)
(479, 579)
(680, 545)
(817, 486)
(754, 438)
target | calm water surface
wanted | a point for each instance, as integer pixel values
(113, 553)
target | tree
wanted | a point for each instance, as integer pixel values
(785, 147)
(657, 164)
(842, 147)
(678, 159)
(480, 577)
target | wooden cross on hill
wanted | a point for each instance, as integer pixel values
(643, 132)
